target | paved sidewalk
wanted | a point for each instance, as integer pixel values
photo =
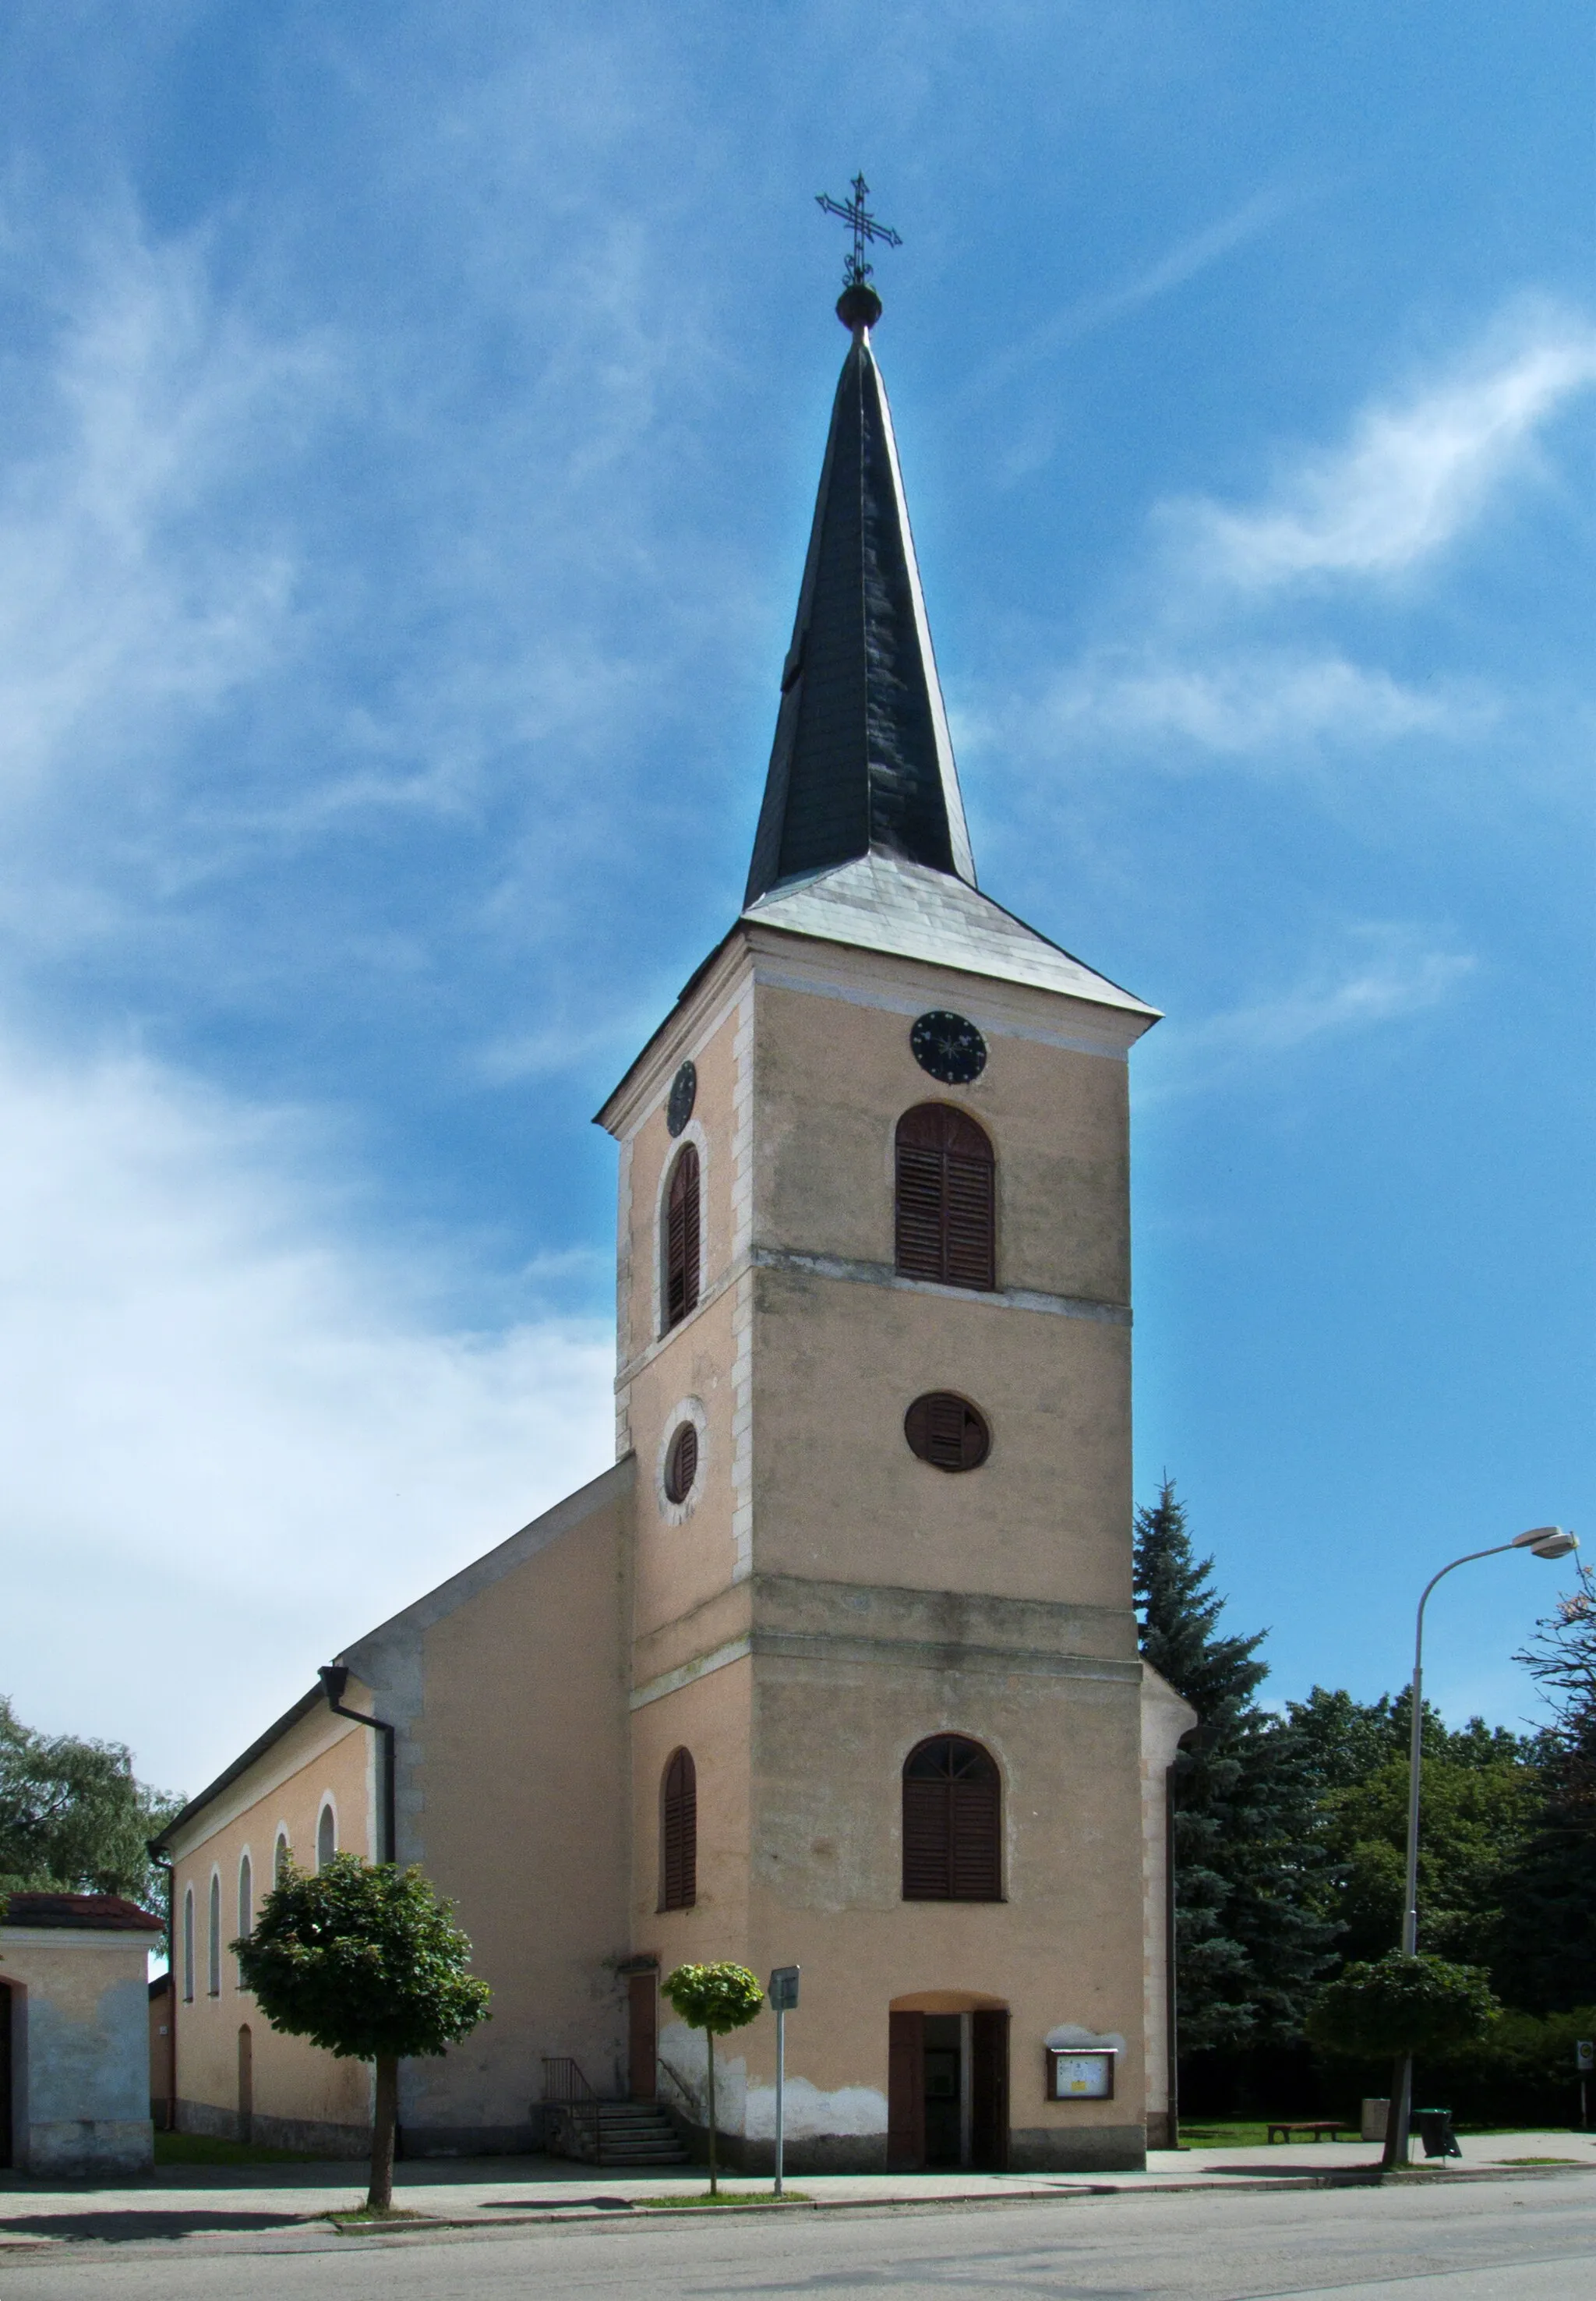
(194, 2200)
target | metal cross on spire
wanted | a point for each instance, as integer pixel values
(865, 227)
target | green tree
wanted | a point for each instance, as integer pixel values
(1476, 1822)
(367, 1962)
(1252, 1936)
(73, 1819)
(1400, 2006)
(1548, 1939)
(716, 1999)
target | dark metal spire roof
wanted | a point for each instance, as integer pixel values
(862, 763)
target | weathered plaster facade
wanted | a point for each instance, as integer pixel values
(817, 1600)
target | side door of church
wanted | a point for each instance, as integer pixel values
(642, 2027)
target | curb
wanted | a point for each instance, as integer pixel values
(579, 2213)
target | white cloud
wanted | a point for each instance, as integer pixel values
(233, 1441)
(1412, 474)
(1251, 702)
(128, 596)
(1396, 974)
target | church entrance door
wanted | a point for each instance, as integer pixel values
(906, 2092)
(947, 2089)
(989, 2090)
(642, 2011)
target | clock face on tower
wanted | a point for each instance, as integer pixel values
(950, 1047)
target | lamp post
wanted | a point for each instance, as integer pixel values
(1541, 1542)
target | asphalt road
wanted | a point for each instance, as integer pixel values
(1523, 2240)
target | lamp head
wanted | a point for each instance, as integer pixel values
(1546, 1541)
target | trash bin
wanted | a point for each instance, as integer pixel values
(1435, 2130)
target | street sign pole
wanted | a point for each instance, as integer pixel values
(783, 1997)
(1585, 2061)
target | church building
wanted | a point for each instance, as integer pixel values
(836, 1666)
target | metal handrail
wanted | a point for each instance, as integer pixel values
(689, 2099)
(563, 2082)
(566, 2087)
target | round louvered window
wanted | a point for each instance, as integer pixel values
(947, 1432)
(681, 1464)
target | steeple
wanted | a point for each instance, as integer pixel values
(862, 764)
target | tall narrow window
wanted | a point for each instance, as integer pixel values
(946, 1198)
(682, 1237)
(245, 1901)
(679, 1834)
(279, 1858)
(188, 1946)
(952, 1823)
(213, 1959)
(326, 1837)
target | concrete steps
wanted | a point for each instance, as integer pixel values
(621, 2133)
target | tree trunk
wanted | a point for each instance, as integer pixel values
(1397, 2114)
(384, 2116)
(714, 2183)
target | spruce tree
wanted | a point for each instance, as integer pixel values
(1252, 1934)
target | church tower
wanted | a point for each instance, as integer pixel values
(887, 1718)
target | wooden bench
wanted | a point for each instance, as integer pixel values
(1317, 2126)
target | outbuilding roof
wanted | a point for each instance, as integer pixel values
(99, 1914)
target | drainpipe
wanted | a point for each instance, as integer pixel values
(335, 1676)
(1171, 1994)
(161, 1860)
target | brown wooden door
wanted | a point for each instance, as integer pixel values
(989, 2091)
(246, 2085)
(642, 2010)
(906, 2092)
(4, 2074)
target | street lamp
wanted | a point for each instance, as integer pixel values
(1541, 1542)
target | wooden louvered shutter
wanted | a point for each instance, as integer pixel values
(927, 1868)
(919, 1192)
(952, 1823)
(973, 1831)
(678, 1834)
(682, 1238)
(970, 1202)
(946, 1198)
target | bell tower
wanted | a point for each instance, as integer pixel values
(888, 1721)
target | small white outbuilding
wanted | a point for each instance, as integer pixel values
(74, 2033)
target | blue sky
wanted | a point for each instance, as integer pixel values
(409, 423)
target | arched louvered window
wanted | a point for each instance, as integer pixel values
(946, 1198)
(682, 1228)
(213, 1974)
(679, 1834)
(952, 1823)
(279, 1858)
(245, 1901)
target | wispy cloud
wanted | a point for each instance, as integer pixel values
(1256, 702)
(1182, 262)
(1412, 474)
(1392, 971)
(1234, 655)
(215, 1408)
(128, 596)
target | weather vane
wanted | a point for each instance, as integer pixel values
(864, 226)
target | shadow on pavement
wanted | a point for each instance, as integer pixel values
(125, 2225)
